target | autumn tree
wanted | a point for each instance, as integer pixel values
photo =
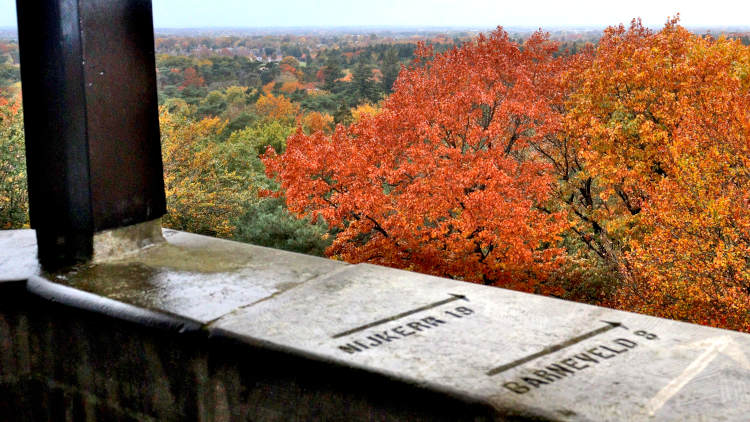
(661, 125)
(13, 197)
(207, 182)
(317, 122)
(364, 110)
(291, 66)
(272, 107)
(290, 61)
(443, 179)
(192, 78)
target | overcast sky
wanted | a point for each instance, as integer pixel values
(476, 13)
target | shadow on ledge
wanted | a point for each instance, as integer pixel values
(62, 363)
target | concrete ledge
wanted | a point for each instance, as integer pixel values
(63, 363)
(483, 352)
(67, 296)
(18, 255)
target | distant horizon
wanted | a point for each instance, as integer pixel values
(484, 14)
(529, 28)
(384, 31)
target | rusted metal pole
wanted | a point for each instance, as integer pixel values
(91, 121)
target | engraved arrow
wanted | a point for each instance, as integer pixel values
(554, 348)
(453, 298)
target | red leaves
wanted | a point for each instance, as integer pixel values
(192, 78)
(643, 144)
(442, 180)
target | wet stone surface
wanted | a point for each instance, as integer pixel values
(522, 355)
(197, 277)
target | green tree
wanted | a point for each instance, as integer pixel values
(363, 88)
(390, 69)
(213, 105)
(269, 72)
(257, 138)
(343, 115)
(332, 72)
(267, 222)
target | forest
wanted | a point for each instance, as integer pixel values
(610, 168)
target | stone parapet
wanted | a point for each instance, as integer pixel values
(208, 329)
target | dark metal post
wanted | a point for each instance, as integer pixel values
(91, 121)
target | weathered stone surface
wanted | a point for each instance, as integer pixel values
(18, 255)
(522, 355)
(645, 368)
(197, 277)
(65, 364)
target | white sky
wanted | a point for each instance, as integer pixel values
(476, 13)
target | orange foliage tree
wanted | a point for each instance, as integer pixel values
(280, 108)
(317, 122)
(291, 66)
(662, 125)
(443, 180)
(290, 86)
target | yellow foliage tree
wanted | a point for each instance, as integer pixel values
(271, 107)
(13, 198)
(206, 184)
(662, 126)
(364, 110)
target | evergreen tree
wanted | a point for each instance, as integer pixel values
(332, 72)
(343, 115)
(268, 223)
(363, 87)
(391, 68)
